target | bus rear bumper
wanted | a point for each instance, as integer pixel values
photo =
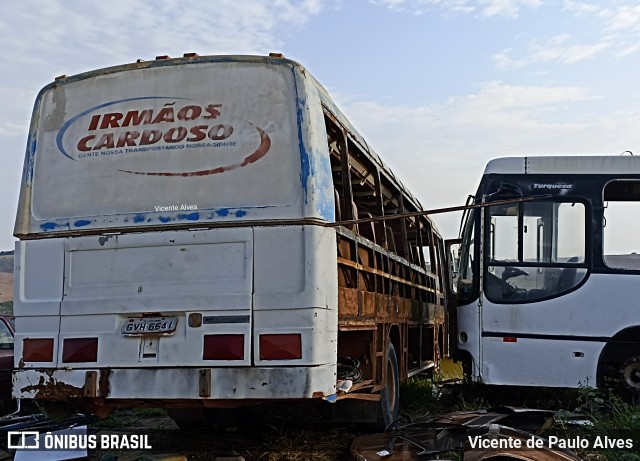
(177, 383)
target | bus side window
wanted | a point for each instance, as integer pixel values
(621, 244)
(426, 253)
(537, 251)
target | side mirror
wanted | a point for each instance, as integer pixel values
(453, 262)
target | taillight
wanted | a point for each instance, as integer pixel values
(223, 347)
(75, 350)
(37, 350)
(281, 347)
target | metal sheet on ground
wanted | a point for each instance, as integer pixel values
(426, 440)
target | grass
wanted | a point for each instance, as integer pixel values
(6, 307)
(608, 414)
(137, 418)
(289, 432)
(284, 435)
(611, 418)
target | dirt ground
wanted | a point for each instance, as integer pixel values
(6, 287)
(6, 278)
(265, 433)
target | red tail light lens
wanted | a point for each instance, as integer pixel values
(37, 350)
(223, 347)
(77, 350)
(281, 347)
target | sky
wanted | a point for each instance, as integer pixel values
(436, 87)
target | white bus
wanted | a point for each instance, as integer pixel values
(177, 245)
(548, 290)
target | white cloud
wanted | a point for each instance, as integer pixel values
(628, 50)
(11, 128)
(581, 8)
(606, 22)
(495, 109)
(615, 16)
(90, 33)
(509, 8)
(557, 49)
(486, 8)
(609, 23)
(73, 36)
(623, 18)
(42, 39)
(445, 146)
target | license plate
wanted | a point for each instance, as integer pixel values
(150, 326)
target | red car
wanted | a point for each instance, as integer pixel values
(7, 329)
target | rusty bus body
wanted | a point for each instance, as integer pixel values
(175, 246)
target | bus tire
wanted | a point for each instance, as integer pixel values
(630, 375)
(389, 408)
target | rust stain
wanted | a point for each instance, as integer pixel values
(103, 383)
(53, 389)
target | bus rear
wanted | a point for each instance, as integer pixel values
(170, 238)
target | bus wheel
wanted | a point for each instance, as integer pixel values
(390, 395)
(630, 373)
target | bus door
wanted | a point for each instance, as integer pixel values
(534, 259)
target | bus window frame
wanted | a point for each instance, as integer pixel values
(606, 268)
(470, 226)
(586, 264)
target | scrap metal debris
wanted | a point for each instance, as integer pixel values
(17, 421)
(481, 435)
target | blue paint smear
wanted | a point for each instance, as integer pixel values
(240, 213)
(31, 140)
(325, 201)
(48, 226)
(223, 212)
(190, 216)
(81, 222)
(305, 168)
(138, 218)
(165, 219)
(27, 172)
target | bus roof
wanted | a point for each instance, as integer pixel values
(564, 165)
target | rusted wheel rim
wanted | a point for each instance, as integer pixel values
(630, 370)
